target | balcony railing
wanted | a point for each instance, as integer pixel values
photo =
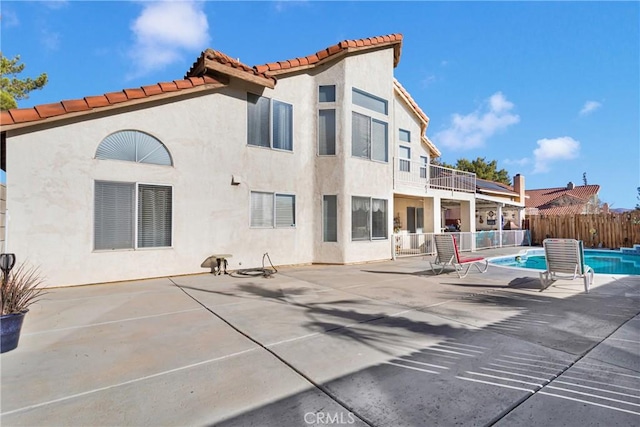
(426, 176)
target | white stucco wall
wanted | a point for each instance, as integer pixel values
(53, 173)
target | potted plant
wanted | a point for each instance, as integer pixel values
(20, 289)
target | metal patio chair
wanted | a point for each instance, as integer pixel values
(565, 260)
(448, 255)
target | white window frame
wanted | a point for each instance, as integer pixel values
(361, 93)
(404, 163)
(325, 218)
(274, 217)
(334, 94)
(271, 124)
(335, 132)
(402, 132)
(371, 120)
(424, 167)
(135, 213)
(371, 237)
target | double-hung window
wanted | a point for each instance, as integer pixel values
(270, 123)
(368, 218)
(269, 210)
(369, 134)
(131, 215)
(424, 164)
(404, 158)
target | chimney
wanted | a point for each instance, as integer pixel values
(518, 187)
(570, 186)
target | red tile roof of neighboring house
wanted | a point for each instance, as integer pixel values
(561, 200)
(211, 70)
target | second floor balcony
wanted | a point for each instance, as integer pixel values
(424, 176)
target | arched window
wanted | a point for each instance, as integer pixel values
(134, 146)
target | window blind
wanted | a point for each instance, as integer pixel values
(154, 216)
(327, 132)
(285, 210)
(113, 216)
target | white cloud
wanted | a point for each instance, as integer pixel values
(9, 19)
(518, 162)
(55, 4)
(473, 129)
(554, 150)
(428, 80)
(589, 107)
(49, 39)
(163, 31)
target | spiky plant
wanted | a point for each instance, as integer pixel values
(21, 289)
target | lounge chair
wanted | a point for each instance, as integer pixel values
(565, 260)
(448, 255)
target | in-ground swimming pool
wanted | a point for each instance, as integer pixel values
(602, 261)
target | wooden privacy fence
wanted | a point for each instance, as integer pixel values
(596, 230)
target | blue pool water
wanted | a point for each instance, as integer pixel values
(602, 262)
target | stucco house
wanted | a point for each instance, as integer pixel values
(309, 159)
(568, 200)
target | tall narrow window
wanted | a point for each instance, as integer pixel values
(329, 219)
(379, 138)
(424, 164)
(360, 218)
(327, 132)
(378, 219)
(404, 157)
(269, 123)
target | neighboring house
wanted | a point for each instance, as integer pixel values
(569, 200)
(307, 159)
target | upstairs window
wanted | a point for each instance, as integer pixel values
(404, 155)
(270, 123)
(404, 135)
(327, 93)
(134, 146)
(370, 102)
(369, 138)
(327, 132)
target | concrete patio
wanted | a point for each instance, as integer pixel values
(380, 344)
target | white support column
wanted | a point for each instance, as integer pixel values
(500, 223)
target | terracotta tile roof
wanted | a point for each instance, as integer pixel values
(413, 105)
(561, 200)
(17, 116)
(342, 48)
(213, 61)
(211, 68)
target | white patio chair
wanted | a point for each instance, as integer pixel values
(565, 260)
(448, 255)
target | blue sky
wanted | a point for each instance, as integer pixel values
(550, 90)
